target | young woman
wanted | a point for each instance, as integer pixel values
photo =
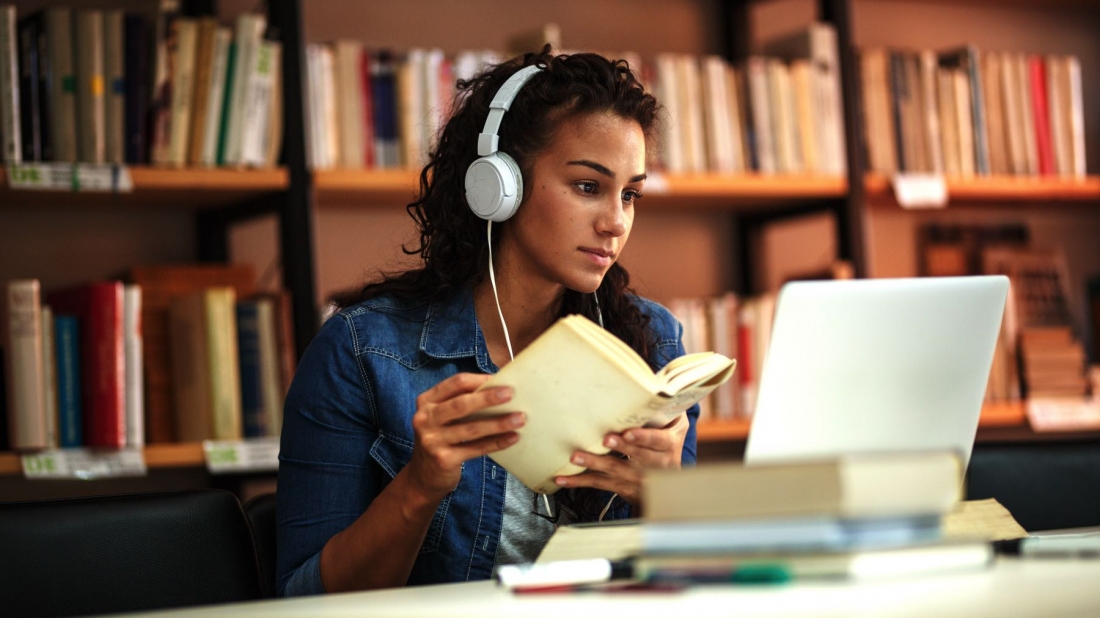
(383, 481)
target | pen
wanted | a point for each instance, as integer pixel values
(766, 574)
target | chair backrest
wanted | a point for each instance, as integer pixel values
(261, 514)
(125, 553)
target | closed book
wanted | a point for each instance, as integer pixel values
(850, 487)
(49, 378)
(205, 370)
(159, 285)
(184, 35)
(70, 427)
(160, 100)
(253, 413)
(255, 126)
(855, 565)
(114, 92)
(215, 97)
(384, 90)
(22, 344)
(136, 49)
(1044, 143)
(11, 128)
(247, 41)
(349, 103)
(59, 31)
(133, 344)
(90, 87)
(31, 129)
(203, 81)
(99, 307)
(45, 84)
(272, 384)
(576, 383)
(966, 60)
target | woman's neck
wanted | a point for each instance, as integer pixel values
(528, 311)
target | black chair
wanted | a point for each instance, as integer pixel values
(1045, 486)
(125, 553)
(261, 514)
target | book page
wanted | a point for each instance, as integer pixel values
(982, 519)
(611, 540)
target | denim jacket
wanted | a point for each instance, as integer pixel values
(347, 431)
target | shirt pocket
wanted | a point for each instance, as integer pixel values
(393, 454)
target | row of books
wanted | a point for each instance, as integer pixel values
(737, 328)
(780, 113)
(169, 358)
(967, 112)
(104, 86)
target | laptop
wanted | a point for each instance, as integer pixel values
(876, 365)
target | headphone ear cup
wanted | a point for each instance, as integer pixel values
(494, 186)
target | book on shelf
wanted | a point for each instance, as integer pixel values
(10, 118)
(161, 284)
(205, 371)
(576, 383)
(855, 486)
(49, 377)
(24, 372)
(70, 415)
(133, 350)
(114, 88)
(88, 60)
(99, 307)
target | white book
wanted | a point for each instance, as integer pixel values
(249, 32)
(261, 88)
(672, 142)
(22, 329)
(716, 107)
(350, 104)
(762, 114)
(328, 118)
(10, 123)
(114, 125)
(1077, 117)
(788, 153)
(967, 153)
(49, 378)
(691, 102)
(434, 101)
(215, 101)
(133, 351)
(735, 112)
(1060, 145)
(410, 108)
(1027, 112)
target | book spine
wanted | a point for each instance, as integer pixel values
(222, 354)
(1041, 113)
(49, 377)
(88, 35)
(28, 91)
(45, 83)
(227, 103)
(69, 413)
(107, 406)
(133, 350)
(10, 121)
(114, 103)
(215, 101)
(182, 58)
(250, 29)
(137, 88)
(62, 85)
(977, 107)
(204, 64)
(257, 105)
(23, 360)
(248, 347)
(383, 88)
(271, 379)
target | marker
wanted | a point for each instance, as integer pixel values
(561, 573)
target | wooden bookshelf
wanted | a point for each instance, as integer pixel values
(384, 187)
(1037, 190)
(182, 455)
(722, 431)
(166, 187)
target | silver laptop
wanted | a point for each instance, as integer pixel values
(876, 365)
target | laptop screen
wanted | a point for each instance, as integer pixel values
(876, 365)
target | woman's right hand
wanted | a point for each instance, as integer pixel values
(445, 437)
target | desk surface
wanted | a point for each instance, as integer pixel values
(1013, 587)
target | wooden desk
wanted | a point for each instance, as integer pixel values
(1013, 587)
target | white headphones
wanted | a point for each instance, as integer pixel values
(494, 184)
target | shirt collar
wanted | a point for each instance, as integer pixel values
(451, 330)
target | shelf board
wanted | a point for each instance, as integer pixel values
(181, 455)
(192, 189)
(722, 431)
(387, 187)
(997, 190)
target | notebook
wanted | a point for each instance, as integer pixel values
(876, 365)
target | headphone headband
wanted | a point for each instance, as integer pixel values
(487, 140)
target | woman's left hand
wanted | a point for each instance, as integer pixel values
(644, 447)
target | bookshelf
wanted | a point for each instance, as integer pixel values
(994, 191)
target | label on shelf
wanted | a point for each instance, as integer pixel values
(251, 455)
(84, 464)
(70, 177)
(920, 190)
(1063, 413)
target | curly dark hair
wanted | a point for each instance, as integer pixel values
(452, 238)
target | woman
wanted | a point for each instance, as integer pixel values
(382, 481)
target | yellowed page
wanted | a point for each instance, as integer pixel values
(981, 519)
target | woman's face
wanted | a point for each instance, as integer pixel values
(580, 205)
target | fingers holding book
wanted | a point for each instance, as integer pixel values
(447, 434)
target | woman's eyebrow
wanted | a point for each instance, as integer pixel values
(603, 169)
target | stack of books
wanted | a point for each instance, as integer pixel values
(860, 517)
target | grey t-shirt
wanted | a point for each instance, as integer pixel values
(523, 533)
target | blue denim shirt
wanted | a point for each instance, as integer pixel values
(347, 431)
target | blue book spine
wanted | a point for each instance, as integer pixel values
(70, 425)
(248, 352)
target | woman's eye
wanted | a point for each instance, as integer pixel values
(631, 196)
(587, 187)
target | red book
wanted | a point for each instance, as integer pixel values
(1038, 79)
(98, 307)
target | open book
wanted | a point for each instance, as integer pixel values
(578, 382)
